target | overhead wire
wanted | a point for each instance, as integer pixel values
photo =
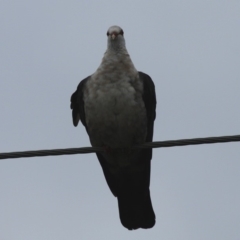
(84, 150)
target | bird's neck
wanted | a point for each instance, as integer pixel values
(115, 63)
(117, 56)
(116, 46)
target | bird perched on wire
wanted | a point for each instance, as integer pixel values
(116, 104)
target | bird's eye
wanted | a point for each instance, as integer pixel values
(107, 33)
(121, 32)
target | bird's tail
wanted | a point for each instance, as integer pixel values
(136, 211)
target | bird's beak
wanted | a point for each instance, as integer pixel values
(114, 35)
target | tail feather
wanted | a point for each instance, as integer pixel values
(136, 212)
(131, 186)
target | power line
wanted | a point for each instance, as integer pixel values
(161, 144)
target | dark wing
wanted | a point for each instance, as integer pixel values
(77, 104)
(134, 201)
(149, 98)
(78, 113)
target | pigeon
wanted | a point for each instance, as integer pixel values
(117, 106)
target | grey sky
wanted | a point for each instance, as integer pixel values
(191, 49)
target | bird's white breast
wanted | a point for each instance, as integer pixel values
(114, 109)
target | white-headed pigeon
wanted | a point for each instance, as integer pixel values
(116, 104)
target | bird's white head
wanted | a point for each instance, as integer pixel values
(116, 39)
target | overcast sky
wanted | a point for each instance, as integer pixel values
(191, 49)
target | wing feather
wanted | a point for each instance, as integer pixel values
(77, 104)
